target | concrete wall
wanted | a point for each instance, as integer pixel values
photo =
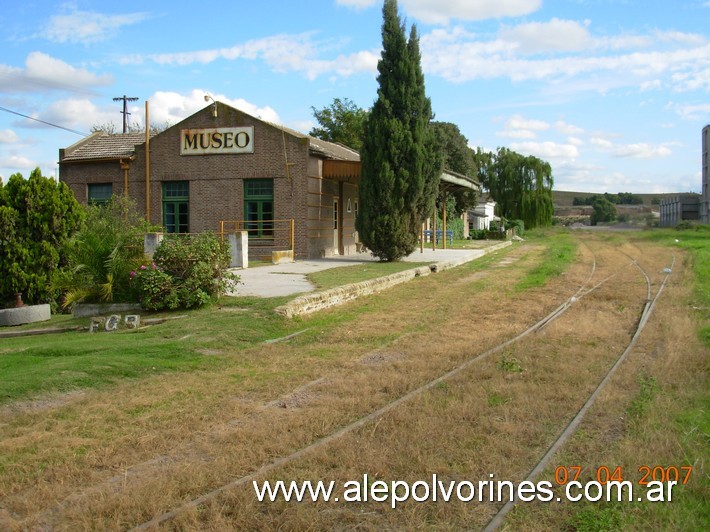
(675, 209)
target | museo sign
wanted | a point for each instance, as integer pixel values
(215, 141)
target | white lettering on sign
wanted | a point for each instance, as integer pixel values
(217, 141)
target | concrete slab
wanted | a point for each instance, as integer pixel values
(279, 280)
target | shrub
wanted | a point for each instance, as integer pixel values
(101, 254)
(188, 272)
(517, 225)
(37, 215)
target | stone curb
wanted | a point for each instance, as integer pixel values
(309, 303)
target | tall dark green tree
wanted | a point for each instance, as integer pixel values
(401, 162)
(342, 121)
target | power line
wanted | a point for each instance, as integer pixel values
(125, 112)
(43, 122)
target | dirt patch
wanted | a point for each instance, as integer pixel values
(42, 404)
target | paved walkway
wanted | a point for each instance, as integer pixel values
(288, 279)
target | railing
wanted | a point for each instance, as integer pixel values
(264, 235)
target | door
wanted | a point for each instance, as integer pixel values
(336, 226)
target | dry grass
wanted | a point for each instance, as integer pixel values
(115, 458)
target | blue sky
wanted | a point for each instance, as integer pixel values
(613, 93)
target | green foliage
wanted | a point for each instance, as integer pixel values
(597, 518)
(522, 187)
(102, 253)
(622, 198)
(457, 157)
(188, 272)
(509, 365)
(37, 215)
(401, 162)
(342, 122)
(517, 225)
(604, 211)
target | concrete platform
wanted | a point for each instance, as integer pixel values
(288, 279)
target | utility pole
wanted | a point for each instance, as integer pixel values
(125, 112)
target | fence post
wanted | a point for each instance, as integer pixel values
(239, 249)
(151, 241)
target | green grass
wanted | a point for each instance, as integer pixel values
(697, 241)
(560, 253)
(343, 275)
(31, 365)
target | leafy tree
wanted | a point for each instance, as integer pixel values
(37, 215)
(604, 211)
(522, 187)
(343, 121)
(401, 164)
(459, 158)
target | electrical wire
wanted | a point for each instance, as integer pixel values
(43, 122)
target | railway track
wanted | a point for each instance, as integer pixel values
(597, 277)
(587, 288)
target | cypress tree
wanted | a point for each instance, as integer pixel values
(400, 164)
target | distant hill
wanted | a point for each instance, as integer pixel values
(564, 199)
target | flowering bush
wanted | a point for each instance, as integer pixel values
(187, 273)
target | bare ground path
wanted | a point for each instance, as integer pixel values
(118, 458)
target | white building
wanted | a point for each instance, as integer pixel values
(481, 217)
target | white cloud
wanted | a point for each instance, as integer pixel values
(8, 136)
(518, 122)
(283, 53)
(76, 113)
(691, 111)
(18, 162)
(357, 4)
(641, 150)
(459, 56)
(87, 27)
(553, 36)
(172, 107)
(546, 150)
(601, 142)
(43, 72)
(638, 150)
(518, 127)
(442, 11)
(568, 129)
(574, 141)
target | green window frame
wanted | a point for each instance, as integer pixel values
(99, 193)
(176, 206)
(259, 208)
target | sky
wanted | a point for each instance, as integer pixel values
(612, 93)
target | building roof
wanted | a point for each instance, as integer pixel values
(102, 146)
(331, 150)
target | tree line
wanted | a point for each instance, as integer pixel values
(622, 198)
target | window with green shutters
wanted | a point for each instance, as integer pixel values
(259, 207)
(176, 206)
(99, 193)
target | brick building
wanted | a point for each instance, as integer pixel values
(224, 169)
